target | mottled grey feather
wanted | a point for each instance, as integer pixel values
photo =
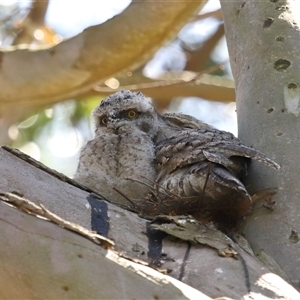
(171, 163)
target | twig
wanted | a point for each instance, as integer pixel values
(40, 210)
(161, 83)
(123, 195)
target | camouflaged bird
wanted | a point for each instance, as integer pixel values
(165, 164)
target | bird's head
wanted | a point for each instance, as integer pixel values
(125, 112)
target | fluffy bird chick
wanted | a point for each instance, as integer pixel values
(165, 164)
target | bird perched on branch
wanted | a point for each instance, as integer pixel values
(165, 164)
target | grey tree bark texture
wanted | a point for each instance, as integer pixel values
(264, 41)
(48, 259)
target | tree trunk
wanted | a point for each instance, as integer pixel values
(264, 41)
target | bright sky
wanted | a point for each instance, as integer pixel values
(69, 17)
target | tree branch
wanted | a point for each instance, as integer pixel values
(69, 69)
(199, 57)
(201, 255)
(206, 86)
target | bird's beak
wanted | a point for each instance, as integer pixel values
(115, 124)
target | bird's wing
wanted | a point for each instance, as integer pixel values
(206, 190)
(192, 146)
(185, 121)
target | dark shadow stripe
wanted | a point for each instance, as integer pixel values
(155, 238)
(243, 262)
(185, 259)
(99, 216)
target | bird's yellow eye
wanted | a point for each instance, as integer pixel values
(104, 121)
(131, 114)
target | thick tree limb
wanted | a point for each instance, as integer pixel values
(99, 52)
(31, 78)
(58, 264)
(75, 266)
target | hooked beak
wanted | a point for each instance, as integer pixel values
(115, 125)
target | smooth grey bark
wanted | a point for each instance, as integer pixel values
(60, 265)
(264, 40)
(40, 260)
